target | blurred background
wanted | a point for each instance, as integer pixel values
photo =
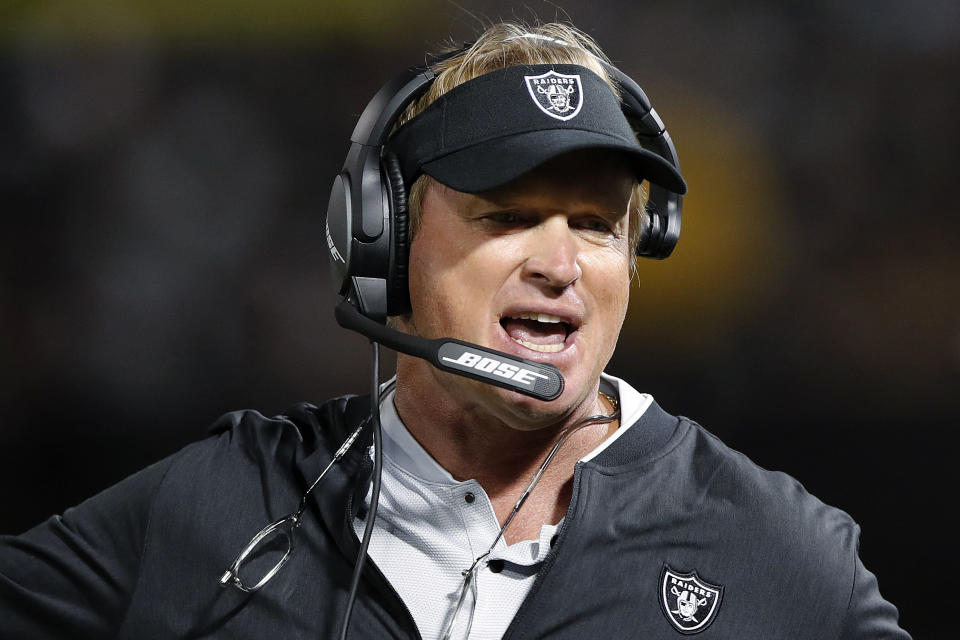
(165, 167)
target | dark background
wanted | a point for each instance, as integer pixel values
(164, 170)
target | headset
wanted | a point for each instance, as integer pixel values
(367, 231)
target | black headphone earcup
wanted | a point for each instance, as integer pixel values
(398, 294)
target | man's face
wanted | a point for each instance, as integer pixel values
(539, 269)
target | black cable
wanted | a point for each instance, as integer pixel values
(375, 495)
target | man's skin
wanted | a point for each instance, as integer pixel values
(554, 241)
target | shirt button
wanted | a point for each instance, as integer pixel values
(469, 497)
(495, 565)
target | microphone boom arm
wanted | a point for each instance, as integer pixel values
(537, 380)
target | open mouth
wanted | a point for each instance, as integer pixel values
(538, 331)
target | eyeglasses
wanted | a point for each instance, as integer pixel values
(269, 550)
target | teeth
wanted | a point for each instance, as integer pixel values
(540, 317)
(542, 348)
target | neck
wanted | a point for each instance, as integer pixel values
(501, 450)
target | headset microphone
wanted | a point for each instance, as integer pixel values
(541, 381)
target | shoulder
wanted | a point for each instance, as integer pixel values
(716, 492)
(719, 499)
(775, 500)
(784, 545)
(249, 464)
(776, 495)
(680, 461)
(769, 514)
(245, 445)
(299, 430)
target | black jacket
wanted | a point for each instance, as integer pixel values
(142, 559)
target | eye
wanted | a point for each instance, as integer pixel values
(508, 218)
(504, 217)
(596, 224)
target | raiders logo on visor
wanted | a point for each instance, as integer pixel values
(559, 96)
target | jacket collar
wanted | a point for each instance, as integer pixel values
(342, 492)
(647, 439)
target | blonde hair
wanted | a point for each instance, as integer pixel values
(508, 44)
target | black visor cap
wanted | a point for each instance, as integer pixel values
(491, 130)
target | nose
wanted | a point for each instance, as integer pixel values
(553, 255)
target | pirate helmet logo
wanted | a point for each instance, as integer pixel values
(689, 602)
(558, 95)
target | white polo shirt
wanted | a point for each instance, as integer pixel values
(431, 527)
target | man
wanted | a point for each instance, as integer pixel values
(593, 514)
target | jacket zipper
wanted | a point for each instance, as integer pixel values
(551, 557)
(372, 571)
